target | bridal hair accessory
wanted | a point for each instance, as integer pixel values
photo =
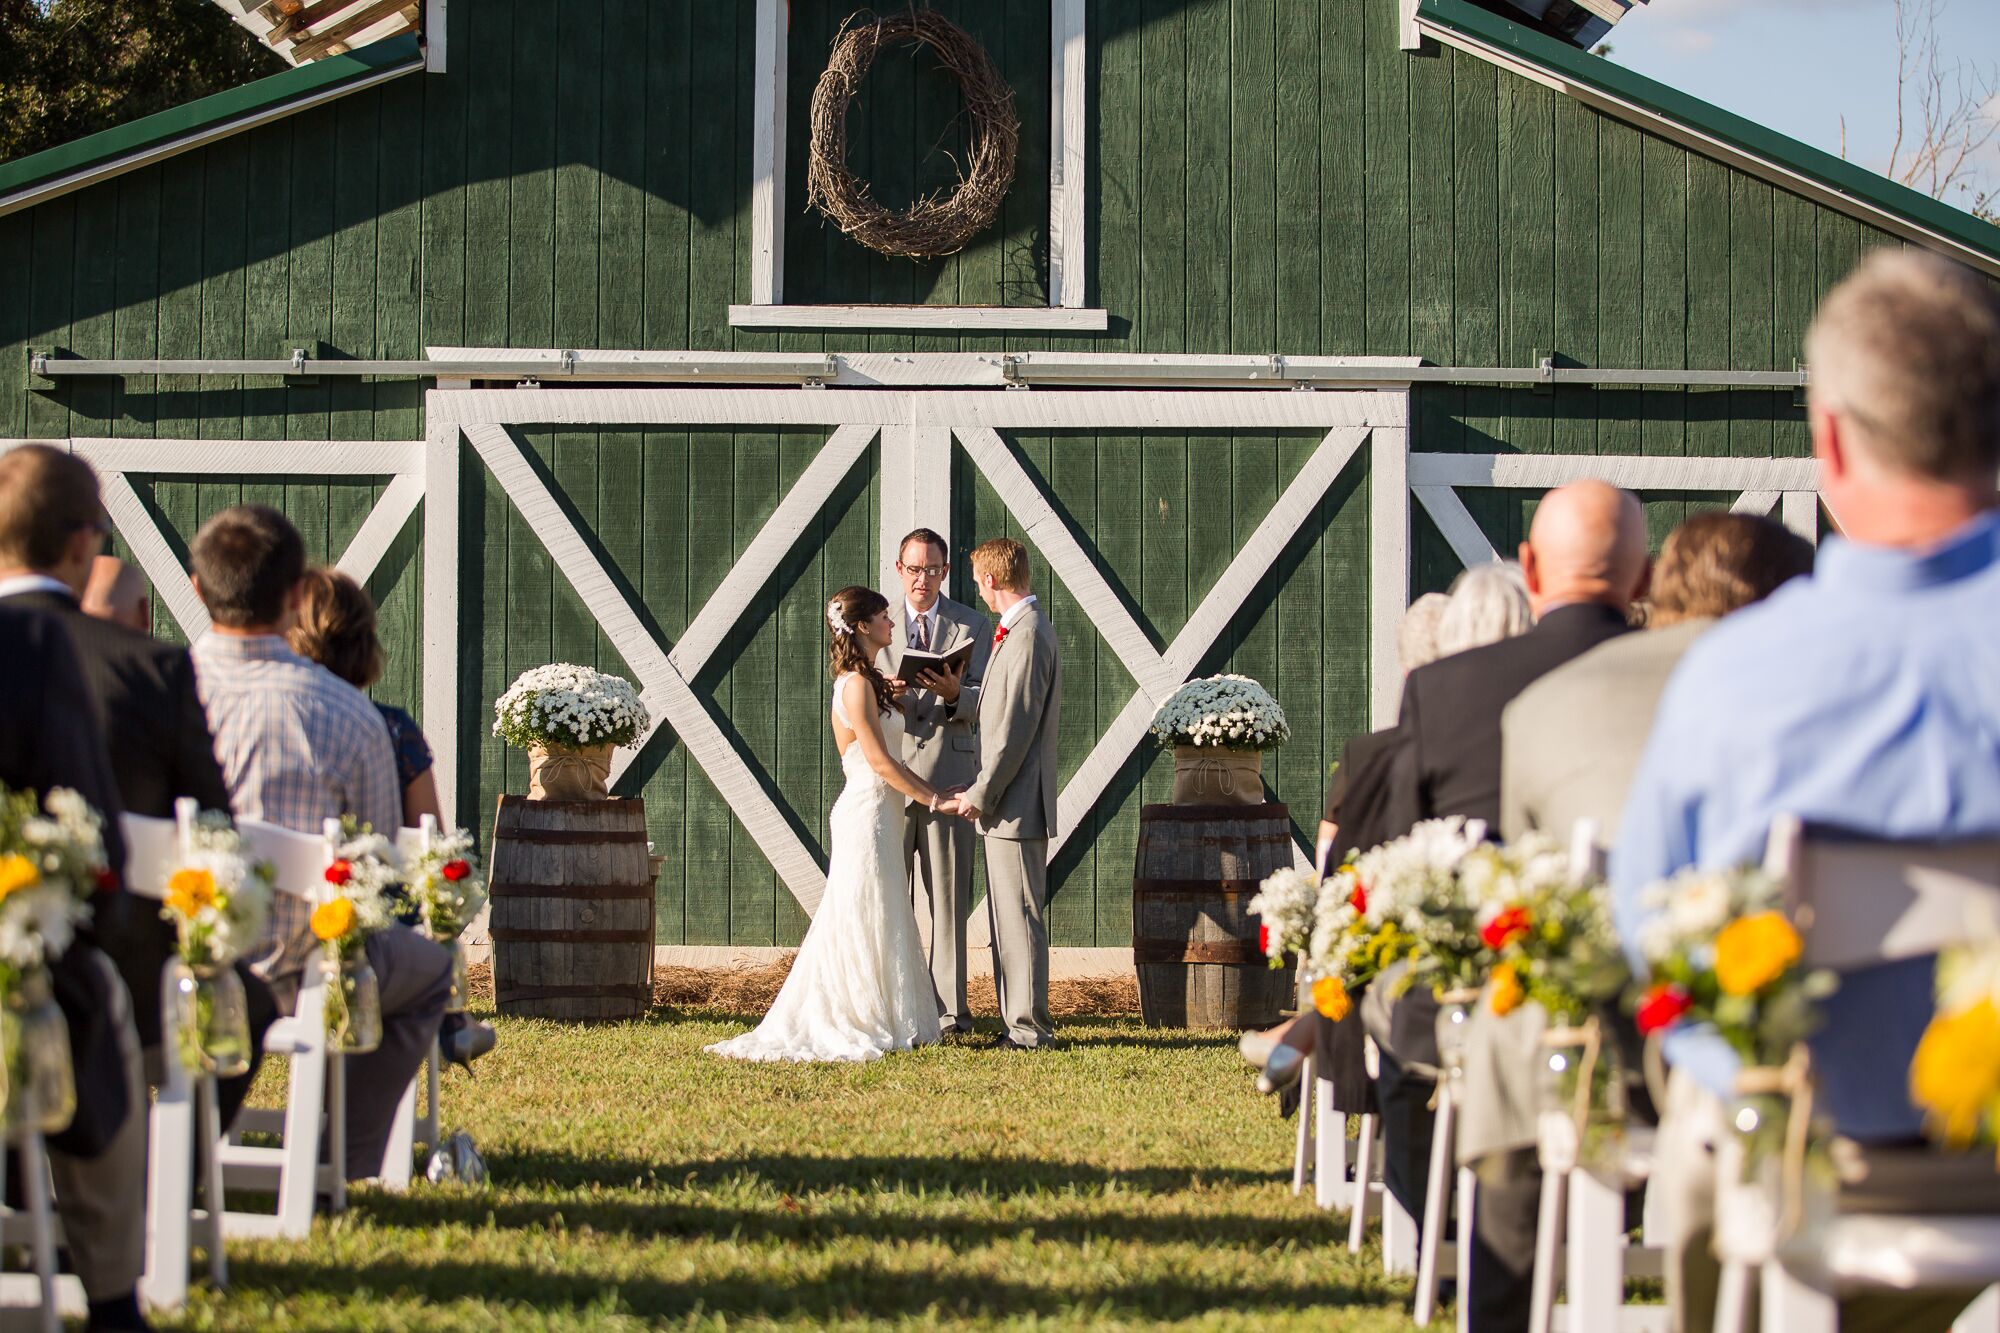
(835, 621)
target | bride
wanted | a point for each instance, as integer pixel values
(860, 986)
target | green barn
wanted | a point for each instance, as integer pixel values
(1292, 308)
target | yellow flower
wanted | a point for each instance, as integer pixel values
(332, 919)
(17, 872)
(1752, 953)
(1955, 1076)
(1504, 991)
(190, 890)
(1331, 998)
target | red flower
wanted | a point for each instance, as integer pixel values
(340, 872)
(107, 880)
(455, 870)
(1505, 928)
(999, 636)
(1264, 940)
(1358, 900)
(1660, 1007)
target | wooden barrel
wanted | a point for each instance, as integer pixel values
(572, 918)
(1194, 940)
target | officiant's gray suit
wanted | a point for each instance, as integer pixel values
(941, 746)
(1020, 710)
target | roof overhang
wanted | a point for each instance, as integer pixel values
(1709, 130)
(43, 176)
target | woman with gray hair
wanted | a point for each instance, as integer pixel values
(1488, 603)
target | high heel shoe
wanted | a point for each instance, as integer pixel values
(1281, 1070)
(1256, 1047)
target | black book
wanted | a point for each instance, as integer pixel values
(916, 660)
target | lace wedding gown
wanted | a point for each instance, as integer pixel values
(859, 987)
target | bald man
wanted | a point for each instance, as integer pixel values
(117, 592)
(1585, 563)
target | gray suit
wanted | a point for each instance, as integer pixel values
(941, 746)
(1020, 711)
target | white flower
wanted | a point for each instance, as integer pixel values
(1220, 710)
(566, 704)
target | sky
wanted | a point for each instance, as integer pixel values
(1799, 66)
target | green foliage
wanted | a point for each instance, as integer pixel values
(1130, 1178)
(74, 67)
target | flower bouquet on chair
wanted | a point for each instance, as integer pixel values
(51, 859)
(1219, 728)
(1554, 946)
(217, 899)
(1722, 954)
(569, 718)
(1955, 1075)
(445, 884)
(360, 898)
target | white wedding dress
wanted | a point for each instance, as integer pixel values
(859, 987)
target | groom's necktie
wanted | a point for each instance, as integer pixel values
(921, 641)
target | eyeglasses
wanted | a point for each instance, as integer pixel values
(928, 571)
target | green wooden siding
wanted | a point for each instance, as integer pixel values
(1265, 175)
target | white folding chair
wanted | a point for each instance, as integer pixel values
(1399, 1229)
(292, 1168)
(183, 1128)
(408, 1128)
(1859, 904)
(1580, 1233)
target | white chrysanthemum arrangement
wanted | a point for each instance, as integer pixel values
(51, 858)
(1226, 712)
(569, 705)
(216, 896)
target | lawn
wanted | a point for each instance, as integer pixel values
(1128, 1177)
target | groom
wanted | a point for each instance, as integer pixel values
(939, 746)
(1013, 800)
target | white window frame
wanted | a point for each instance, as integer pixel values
(1068, 238)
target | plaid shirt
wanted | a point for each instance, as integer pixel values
(297, 746)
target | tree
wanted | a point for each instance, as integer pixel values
(1946, 112)
(72, 67)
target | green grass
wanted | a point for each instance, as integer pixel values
(1128, 1178)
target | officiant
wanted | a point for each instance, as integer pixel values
(940, 708)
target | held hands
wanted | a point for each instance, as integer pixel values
(953, 802)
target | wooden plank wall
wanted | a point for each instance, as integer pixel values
(1266, 175)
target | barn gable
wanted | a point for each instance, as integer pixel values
(1264, 179)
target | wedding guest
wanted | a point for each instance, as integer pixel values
(1864, 697)
(49, 738)
(1569, 744)
(1571, 741)
(335, 627)
(143, 697)
(117, 592)
(1584, 563)
(299, 746)
(1488, 603)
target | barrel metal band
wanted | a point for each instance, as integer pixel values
(552, 837)
(514, 889)
(1192, 951)
(506, 935)
(1193, 890)
(1215, 814)
(508, 994)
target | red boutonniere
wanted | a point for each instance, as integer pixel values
(999, 636)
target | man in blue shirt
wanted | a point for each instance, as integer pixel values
(1867, 696)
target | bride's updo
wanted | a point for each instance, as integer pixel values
(853, 606)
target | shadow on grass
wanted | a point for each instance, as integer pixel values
(799, 1173)
(845, 1290)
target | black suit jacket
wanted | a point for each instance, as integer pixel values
(1373, 794)
(49, 737)
(142, 692)
(1451, 708)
